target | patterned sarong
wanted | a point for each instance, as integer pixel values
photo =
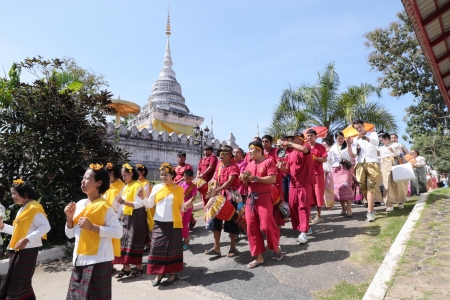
(132, 243)
(90, 282)
(343, 180)
(17, 283)
(166, 251)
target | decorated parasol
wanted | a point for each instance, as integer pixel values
(351, 132)
(124, 108)
(321, 131)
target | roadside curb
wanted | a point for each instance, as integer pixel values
(378, 287)
(43, 256)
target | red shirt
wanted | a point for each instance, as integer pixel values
(223, 173)
(272, 154)
(265, 168)
(318, 150)
(179, 170)
(242, 165)
(301, 166)
(204, 163)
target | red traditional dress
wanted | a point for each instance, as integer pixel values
(278, 217)
(301, 167)
(259, 209)
(319, 150)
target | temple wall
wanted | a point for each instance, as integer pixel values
(152, 148)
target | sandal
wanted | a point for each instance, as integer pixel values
(136, 273)
(213, 252)
(232, 252)
(279, 255)
(254, 264)
(317, 220)
(123, 273)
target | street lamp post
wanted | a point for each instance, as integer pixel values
(200, 137)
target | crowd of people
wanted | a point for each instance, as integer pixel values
(123, 213)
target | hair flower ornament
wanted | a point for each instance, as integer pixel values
(167, 167)
(128, 167)
(18, 181)
(109, 166)
(96, 167)
(139, 166)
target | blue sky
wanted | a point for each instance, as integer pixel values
(232, 58)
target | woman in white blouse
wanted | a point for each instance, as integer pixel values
(394, 192)
(342, 172)
(94, 225)
(419, 164)
(28, 230)
(166, 252)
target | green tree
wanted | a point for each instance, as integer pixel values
(434, 148)
(406, 72)
(50, 133)
(322, 104)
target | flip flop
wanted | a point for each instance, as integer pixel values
(232, 252)
(254, 264)
(212, 252)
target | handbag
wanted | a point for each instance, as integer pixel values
(403, 172)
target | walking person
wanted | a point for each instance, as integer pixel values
(329, 183)
(259, 177)
(342, 172)
(133, 218)
(394, 192)
(367, 169)
(300, 165)
(94, 225)
(419, 164)
(27, 231)
(190, 190)
(319, 155)
(226, 182)
(166, 252)
(206, 167)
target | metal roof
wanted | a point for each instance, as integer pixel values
(431, 22)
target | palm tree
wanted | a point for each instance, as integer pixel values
(322, 105)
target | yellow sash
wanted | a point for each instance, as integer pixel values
(114, 190)
(90, 241)
(178, 199)
(129, 194)
(22, 223)
(150, 211)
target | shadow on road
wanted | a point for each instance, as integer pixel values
(199, 276)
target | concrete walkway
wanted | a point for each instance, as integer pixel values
(317, 265)
(424, 271)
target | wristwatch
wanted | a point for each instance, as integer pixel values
(255, 179)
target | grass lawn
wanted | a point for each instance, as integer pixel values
(373, 246)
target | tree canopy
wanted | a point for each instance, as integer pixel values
(322, 104)
(406, 72)
(51, 130)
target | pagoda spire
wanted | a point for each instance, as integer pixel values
(168, 22)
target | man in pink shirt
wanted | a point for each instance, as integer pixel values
(319, 156)
(182, 166)
(242, 164)
(226, 177)
(299, 164)
(259, 176)
(205, 169)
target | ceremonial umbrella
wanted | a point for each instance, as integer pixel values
(351, 132)
(124, 108)
(321, 131)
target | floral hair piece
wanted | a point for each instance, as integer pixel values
(18, 181)
(109, 166)
(128, 168)
(167, 167)
(139, 166)
(96, 167)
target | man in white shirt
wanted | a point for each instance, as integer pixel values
(367, 168)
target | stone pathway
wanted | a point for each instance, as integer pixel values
(424, 270)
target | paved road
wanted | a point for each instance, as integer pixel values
(314, 266)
